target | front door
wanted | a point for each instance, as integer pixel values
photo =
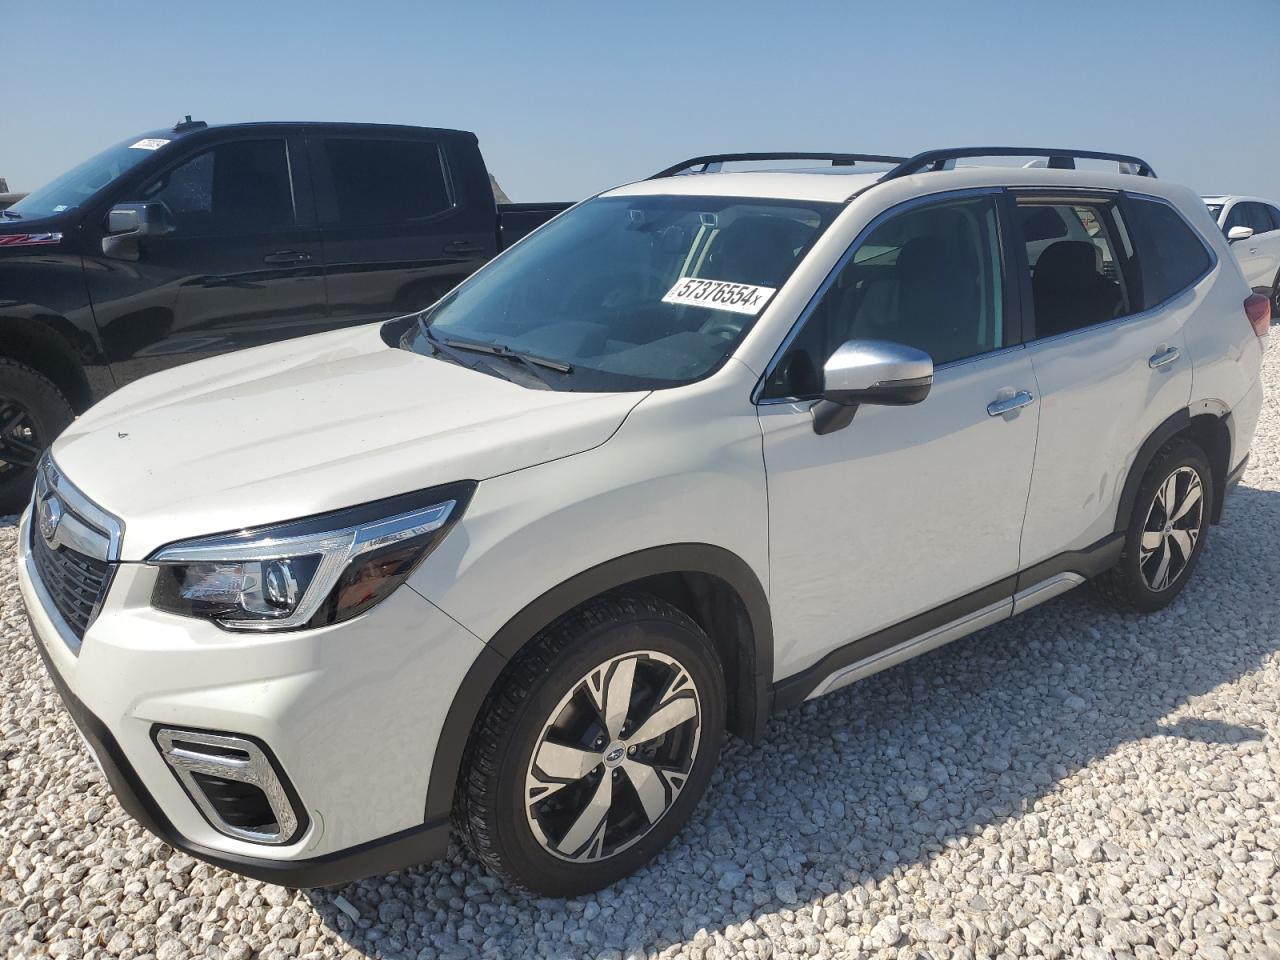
(907, 509)
(241, 266)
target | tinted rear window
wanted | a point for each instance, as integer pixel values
(1171, 256)
(387, 181)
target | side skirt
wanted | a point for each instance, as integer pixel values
(951, 621)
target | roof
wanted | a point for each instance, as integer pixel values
(1233, 197)
(839, 188)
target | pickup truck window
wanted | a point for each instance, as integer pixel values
(611, 288)
(81, 182)
(243, 184)
(410, 183)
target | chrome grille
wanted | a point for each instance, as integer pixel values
(75, 583)
(74, 546)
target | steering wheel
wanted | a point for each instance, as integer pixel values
(727, 329)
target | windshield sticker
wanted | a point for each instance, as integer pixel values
(151, 143)
(720, 295)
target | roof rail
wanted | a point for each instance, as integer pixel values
(1058, 159)
(716, 159)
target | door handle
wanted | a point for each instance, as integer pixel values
(1019, 400)
(462, 246)
(1167, 355)
(286, 256)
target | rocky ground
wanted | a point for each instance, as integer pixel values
(1072, 783)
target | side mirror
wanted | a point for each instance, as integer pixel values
(1239, 233)
(870, 371)
(129, 222)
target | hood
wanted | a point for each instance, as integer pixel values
(311, 425)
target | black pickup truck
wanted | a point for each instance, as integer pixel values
(186, 242)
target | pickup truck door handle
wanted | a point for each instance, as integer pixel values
(1019, 400)
(462, 246)
(1167, 355)
(286, 256)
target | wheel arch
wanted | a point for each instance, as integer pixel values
(1210, 425)
(715, 587)
(46, 344)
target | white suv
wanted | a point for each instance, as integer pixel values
(1252, 227)
(702, 448)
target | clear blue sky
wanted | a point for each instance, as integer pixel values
(569, 98)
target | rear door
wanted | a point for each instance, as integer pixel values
(240, 268)
(404, 216)
(1109, 354)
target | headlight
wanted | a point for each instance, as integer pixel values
(306, 573)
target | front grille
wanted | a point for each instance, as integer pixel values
(75, 583)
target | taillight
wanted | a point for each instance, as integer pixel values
(1258, 309)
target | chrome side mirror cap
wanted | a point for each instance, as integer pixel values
(870, 371)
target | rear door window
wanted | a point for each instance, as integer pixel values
(387, 181)
(1170, 255)
(1076, 278)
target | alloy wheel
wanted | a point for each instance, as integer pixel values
(613, 757)
(1172, 528)
(20, 446)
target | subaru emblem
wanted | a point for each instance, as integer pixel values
(49, 518)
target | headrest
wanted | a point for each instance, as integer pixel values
(1066, 263)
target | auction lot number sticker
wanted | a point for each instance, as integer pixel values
(720, 295)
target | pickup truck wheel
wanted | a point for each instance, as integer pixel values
(1166, 532)
(595, 747)
(32, 412)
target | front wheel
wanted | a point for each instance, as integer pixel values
(1166, 532)
(595, 748)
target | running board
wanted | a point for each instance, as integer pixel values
(940, 636)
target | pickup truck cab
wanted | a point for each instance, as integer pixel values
(183, 243)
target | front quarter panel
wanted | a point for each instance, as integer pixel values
(685, 467)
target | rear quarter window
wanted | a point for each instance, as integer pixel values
(1171, 256)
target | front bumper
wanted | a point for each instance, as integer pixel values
(352, 712)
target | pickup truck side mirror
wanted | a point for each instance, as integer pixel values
(870, 371)
(1239, 233)
(127, 223)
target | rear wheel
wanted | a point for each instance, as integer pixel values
(595, 748)
(32, 412)
(1166, 532)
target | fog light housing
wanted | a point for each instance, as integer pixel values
(236, 784)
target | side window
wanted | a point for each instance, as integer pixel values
(929, 277)
(1170, 254)
(235, 187)
(1076, 282)
(1258, 217)
(1237, 216)
(1275, 216)
(387, 181)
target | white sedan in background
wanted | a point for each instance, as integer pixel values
(1252, 227)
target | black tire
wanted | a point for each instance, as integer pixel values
(32, 413)
(1128, 585)
(489, 810)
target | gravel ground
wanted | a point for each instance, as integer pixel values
(1070, 783)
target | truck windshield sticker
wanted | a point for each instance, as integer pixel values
(720, 295)
(151, 143)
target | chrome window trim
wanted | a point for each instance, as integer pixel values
(830, 279)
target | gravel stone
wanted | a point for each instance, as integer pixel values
(1071, 783)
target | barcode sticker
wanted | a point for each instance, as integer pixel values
(720, 295)
(151, 143)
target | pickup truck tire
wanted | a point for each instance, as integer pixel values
(557, 794)
(32, 412)
(1166, 532)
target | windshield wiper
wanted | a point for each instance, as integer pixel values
(443, 348)
(11, 214)
(530, 361)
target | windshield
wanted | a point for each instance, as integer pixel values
(623, 291)
(80, 183)
(1215, 210)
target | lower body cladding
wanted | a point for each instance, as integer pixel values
(301, 758)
